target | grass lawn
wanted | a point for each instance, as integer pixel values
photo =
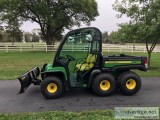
(14, 64)
(95, 115)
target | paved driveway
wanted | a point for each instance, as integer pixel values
(75, 99)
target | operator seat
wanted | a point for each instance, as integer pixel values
(87, 64)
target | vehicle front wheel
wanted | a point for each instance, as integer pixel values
(103, 84)
(52, 87)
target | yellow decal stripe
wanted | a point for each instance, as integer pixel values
(121, 62)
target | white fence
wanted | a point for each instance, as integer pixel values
(105, 48)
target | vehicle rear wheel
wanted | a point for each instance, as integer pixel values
(129, 82)
(103, 84)
(52, 87)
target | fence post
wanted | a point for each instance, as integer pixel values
(120, 49)
(33, 47)
(46, 48)
(20, 47)
(133, 49)
(72, 47)
(6, 48)
(144, 49)
(108, 48)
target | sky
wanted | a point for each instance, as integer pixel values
(107, 21)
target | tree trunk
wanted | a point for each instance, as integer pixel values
(149, 58)
(150, 50)
(49, 42)
(13, 39)
(50, 39)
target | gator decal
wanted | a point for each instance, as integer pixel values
(123, 62)
(119, 63)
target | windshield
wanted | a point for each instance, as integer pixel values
(80, 43)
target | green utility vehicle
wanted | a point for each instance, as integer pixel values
(79, 62)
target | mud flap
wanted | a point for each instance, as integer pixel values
(28, 78)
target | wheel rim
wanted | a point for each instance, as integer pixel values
(52, 88)
(105, 85)
(131, 84)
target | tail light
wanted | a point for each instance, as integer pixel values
(146, 62)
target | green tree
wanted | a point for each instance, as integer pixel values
(115, 37)
(145, 15)
(12, 24)
(124, 34)
(14, 33)
(27, 37)
(1, 33)
(1, 36)
(127, 33)
(35, 38)
(105, 37)
(53, 16)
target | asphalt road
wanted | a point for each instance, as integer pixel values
(75, 99)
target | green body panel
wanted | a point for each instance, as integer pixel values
(49, 68)
(111, 64)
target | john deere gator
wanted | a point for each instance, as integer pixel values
(79, 62)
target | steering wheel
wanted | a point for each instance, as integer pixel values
(70, 58)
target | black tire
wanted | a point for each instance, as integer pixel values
(98, 81)
(52, 87)
(135, 85)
